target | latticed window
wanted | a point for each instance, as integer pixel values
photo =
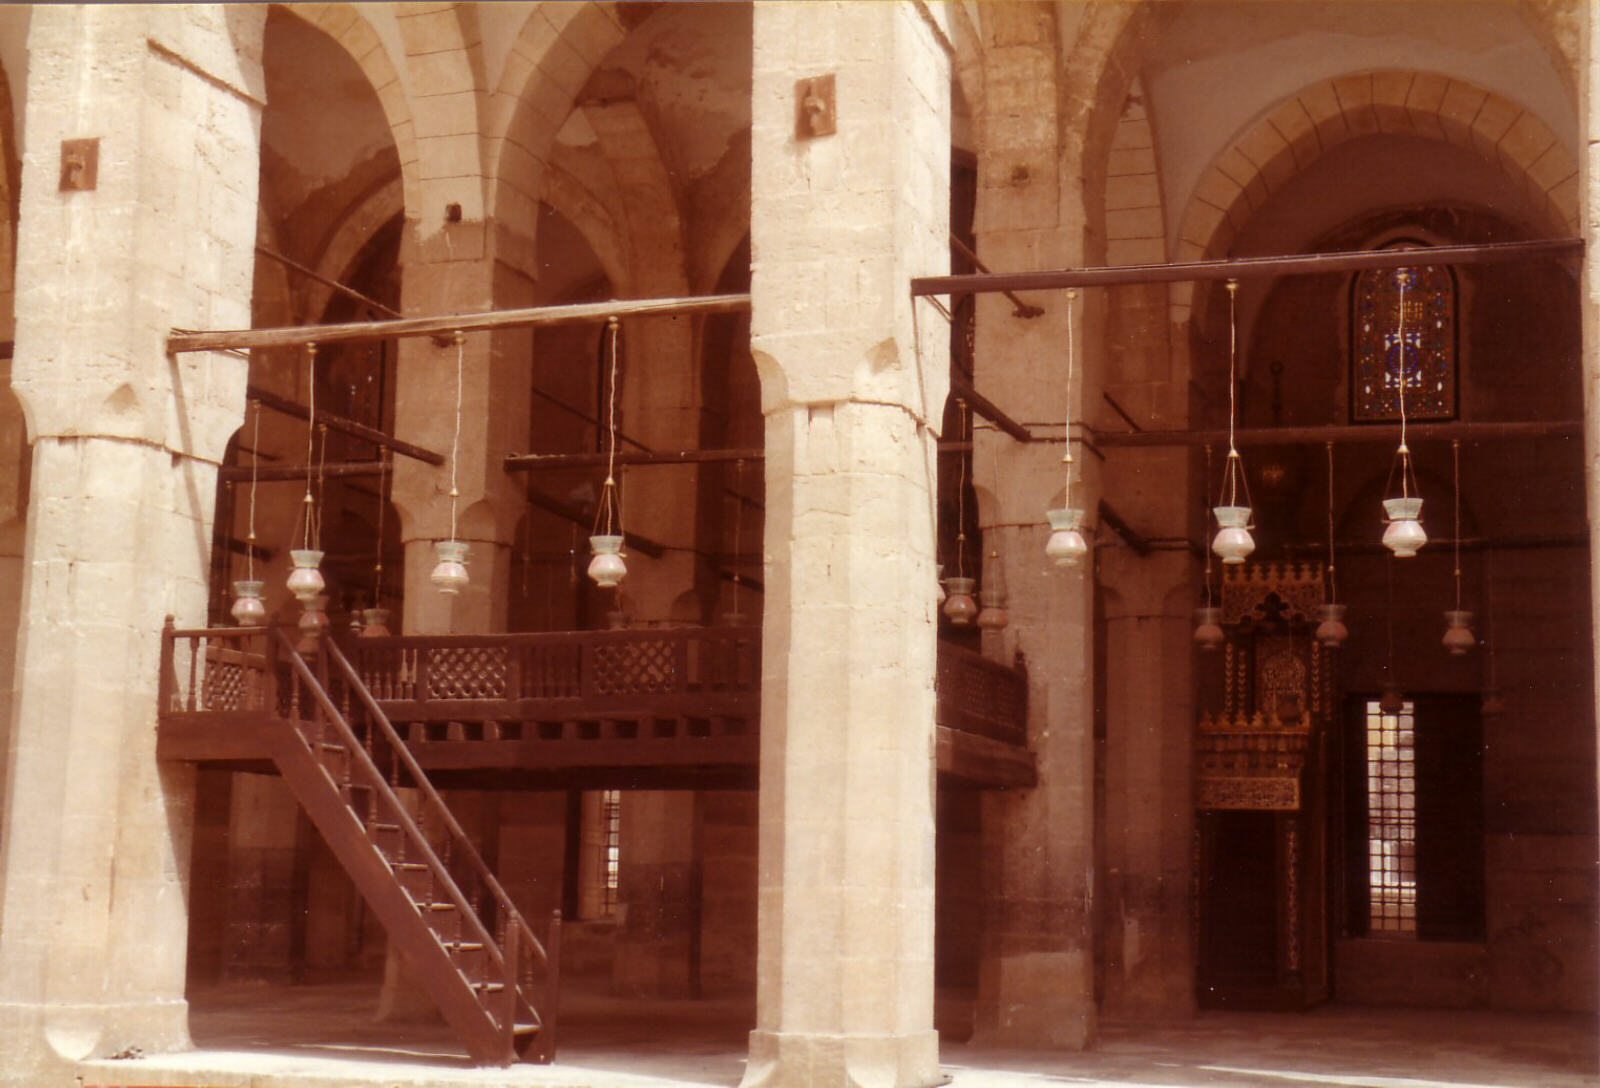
(611, 821)
(599, 853)
(1391, 820)
(1413, 835)
(1429, 354)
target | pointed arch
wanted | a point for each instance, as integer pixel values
(559, 47)
(1304, 126)
(350, 28)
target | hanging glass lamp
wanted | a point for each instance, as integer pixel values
(993, 615)
(313, 622)
(248, 608)
(1233, 542)
(1404, 534)
(1208, 633)
(450, 572)
(1066, 546)
(374, 623)
(305, 580)
(1458, 636)
(607, 567)
(958, 602)
(1332, 632)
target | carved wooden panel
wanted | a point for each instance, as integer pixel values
(642, 668)
(467, 672)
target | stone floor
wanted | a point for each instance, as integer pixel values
(323, 1037)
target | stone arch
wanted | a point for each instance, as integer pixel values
(445, 110)
(645, 197)
(1099, 71)
(590, 217)
(1558, 28)
(357, 227)
(1304, 126)
(351, 30)
(552, 58)
(967, 74)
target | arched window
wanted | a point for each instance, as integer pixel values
(1430, 347)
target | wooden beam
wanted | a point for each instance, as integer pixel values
(528, 462)
(544, 462)
(299, 335)
(241, 474)
(344, 426)
(960, 387)
(1022, 309)
(1307, 264)
(1347, 433)
(316, 277)
(654, 549)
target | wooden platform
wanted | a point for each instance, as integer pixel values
(674, 708)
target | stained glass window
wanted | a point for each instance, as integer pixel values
(1430, 344)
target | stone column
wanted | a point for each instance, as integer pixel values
(1149, 768)
(839, 225)
(1036, 975)
(658, 890)
(1036, 966)
(449, 267)
(126, 440)
(657, 941)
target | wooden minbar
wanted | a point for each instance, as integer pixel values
(1266, 705)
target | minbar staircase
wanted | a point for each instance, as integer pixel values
(420, 874)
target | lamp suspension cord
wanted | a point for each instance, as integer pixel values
(1066, 458)
(455, 442)
(1404, 451)
(1205, 487)
(961, 498)
(738, 520)
(611, 424)
(1455, 458)
(255, 462)
(1333, 581)
(610, 509)
(1388, 618)
(1232, 471)
(377, 566)
(311, 430)
(322, 460)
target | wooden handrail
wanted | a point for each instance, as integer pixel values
(358, 753)
(332, 652)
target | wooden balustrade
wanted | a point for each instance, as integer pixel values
(982, 697)
(683, 697)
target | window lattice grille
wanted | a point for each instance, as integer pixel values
(1392, 820)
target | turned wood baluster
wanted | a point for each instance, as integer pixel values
(550, 1007)
(194, 671)
(508, 1011)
